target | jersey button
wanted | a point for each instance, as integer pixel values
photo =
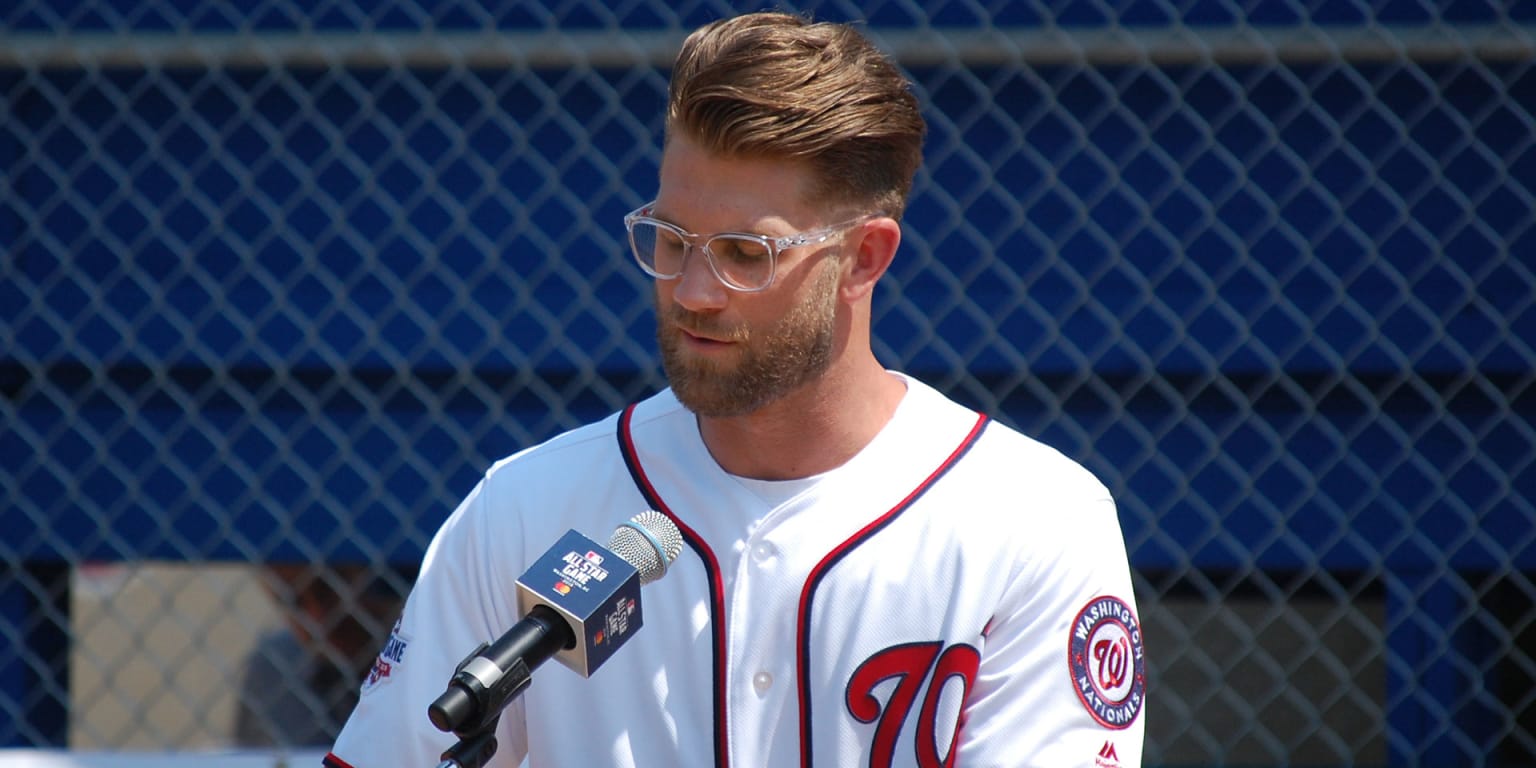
(764, 551)
(761, 682)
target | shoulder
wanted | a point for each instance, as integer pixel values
(1013, 502)
(1026, 463)
(578, 478)
(1003, 459)
(580, 445)
(566, 447)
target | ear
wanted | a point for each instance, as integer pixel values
(869, 248)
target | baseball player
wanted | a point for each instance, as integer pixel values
(873, 574)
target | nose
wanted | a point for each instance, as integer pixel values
(697, 289)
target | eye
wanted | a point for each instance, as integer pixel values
(739, 250)
(668, 241)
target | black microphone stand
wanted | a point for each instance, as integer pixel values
(488, 679)
(474, 748)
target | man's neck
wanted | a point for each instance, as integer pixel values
(812, 430)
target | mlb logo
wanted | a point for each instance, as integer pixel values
(594, 558)
(379, 673)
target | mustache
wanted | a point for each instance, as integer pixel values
(702, 325)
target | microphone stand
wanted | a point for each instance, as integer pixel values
(481, 688)
(474, 748)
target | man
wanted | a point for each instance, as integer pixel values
(300, 681)
(874, 576)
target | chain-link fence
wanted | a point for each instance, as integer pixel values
(280, 280)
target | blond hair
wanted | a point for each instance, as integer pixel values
(776, 85)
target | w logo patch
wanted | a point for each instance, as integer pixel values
(1104, 655)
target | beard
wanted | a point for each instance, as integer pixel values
(770, 362)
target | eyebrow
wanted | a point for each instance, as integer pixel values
(656, 213)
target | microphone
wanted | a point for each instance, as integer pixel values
(579, 603)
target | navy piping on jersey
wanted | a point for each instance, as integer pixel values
(808, 592)
(711, 570)
(717, 590)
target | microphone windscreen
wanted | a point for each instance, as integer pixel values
(649, 541)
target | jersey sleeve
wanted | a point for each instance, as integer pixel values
(461, 598)
(1061, 680)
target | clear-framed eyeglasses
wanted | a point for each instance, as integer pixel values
(743, 261)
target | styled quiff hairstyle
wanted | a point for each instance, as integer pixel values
(775, 85)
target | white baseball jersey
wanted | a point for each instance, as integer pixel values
(955, 594)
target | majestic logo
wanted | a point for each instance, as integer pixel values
(1107, 757)
(1106, 660)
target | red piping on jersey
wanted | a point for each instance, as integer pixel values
(711, 569)
(332, 761)
(803, 623)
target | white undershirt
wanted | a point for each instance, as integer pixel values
(776, 492)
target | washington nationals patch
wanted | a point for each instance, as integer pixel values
(1105, 657)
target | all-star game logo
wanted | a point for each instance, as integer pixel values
(580, 569)
(1106, 660)
(389, 660)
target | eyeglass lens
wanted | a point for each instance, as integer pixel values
(740, 260)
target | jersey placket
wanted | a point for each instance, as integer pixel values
(760, 632)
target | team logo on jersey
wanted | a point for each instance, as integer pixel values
(1106, 660)
(389, 659)
(923, 672)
